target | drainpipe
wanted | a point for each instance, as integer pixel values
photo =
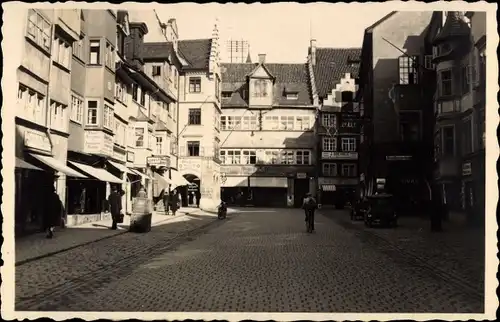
(47, 101)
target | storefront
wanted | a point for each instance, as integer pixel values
(336, 191)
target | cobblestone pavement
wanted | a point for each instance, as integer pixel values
(457, 251)
(254, 261)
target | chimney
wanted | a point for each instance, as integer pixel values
(134, 43)
(312, 50)
(262, 58)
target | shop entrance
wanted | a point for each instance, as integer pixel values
(191, 193)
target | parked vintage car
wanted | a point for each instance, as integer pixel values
(358, 209)
(381, 210)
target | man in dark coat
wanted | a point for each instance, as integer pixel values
(115, 206)
(174, 202)
(309, 205)
(166, 203)
(53, 213)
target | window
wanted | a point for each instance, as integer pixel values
(76, 109)
(329, 144)
(428, 62)
(467, 136)
(349, 124)
(465, 79)
(249, 157)
(272, 122)
(95, 52)
(58, 116)
(110, 56)
(39, 29)
(445, 83)
(108, 115)
(139, 137)
(159, 145)
(156, 70)
(92, 112)
(328, 120)
(287, 157)
(448, 133)
(227, 94)
(329, 169)
(349, 144)
(249, 123)
(287, 122)
(194, 116)
(143, 97)
(408, 67)
(31, 105)
(303, 123)
(292, 96)
(176, 78)
(303, 157)
(173, 145)
(61, 52)
(120, 133)
(78, 50)
(222, 156)
(195, 84)
(347, 96)
(217, 87)
(348, 170)
(260, 88)
(193, 148)
(272, 156)
(233, 122)
(121, 92)
(481, 129)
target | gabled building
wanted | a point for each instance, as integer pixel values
(334, 83)
(396, 153)
(459, 47)
(267, 147)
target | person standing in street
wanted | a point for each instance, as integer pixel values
(198, 197)
(309, 205)
(166, 203)
(52, 213)
(115, 206)
(174, 202)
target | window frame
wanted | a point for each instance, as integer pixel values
(92, 50)
(108, 116)
(442, 82)
(76, 114)
(325, 145)
(40, 35)
(301, 156)
(444, 151)
(348, 142)
(138, 132)
(330, 166)
(193, 145)
(96, 111)
(348, 173)
(328, 120)
(194, 116)
(408, 66)
(195, 84)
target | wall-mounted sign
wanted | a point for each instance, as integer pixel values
(119, 156)
(37, 140)
(98, 142)
(466, 169)
(266, 170)
(338, 181)
(339, 155)
(398, 157)
(158, 161)
(301, 175)
(130, 157)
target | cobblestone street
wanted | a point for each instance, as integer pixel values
(257, 260)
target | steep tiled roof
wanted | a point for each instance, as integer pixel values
(287, 76)
(331, 65)
(196, 52)
(454, 26)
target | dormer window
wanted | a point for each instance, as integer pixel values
(292, 96)
(260, 89)
(227, 94)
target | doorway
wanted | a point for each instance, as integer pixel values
(191, 193)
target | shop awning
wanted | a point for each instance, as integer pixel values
(139, 173)
(329, 187)
(120, 167)
(21, 164)
(161, 181)
(99, 174)
(178, 179)
(235, 182)
(58, 165)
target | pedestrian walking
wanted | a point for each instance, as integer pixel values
(174, 202)
(115, 207)
(309, 205)
(166, 204)
(52, 213)
(198, 197)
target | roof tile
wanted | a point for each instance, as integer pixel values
(196, 51)
(331, 65)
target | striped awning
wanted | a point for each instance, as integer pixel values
(21, 164)
(329, 187)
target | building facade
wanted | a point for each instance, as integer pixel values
(459, 59)
(396, 153)
(42, 111)
(337, 128)
(267, 147)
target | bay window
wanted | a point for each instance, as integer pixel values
(467, 136)
(92, 107)
(31, 105)
(408, 72)
(76, 109)
(135, 92)
(108, 116)
(61, 52)
(39, 29)
(195, 84)
(287, 122)
(139, 137)
(448, 139)
(303, 123)
(159, 145)
(445, 83)
(287, 157)
(272, 123)
(95, 52)
(58, 116)
(272, 156)
(249, 157)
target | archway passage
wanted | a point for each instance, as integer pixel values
(191, 193)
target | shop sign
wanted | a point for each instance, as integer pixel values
(301, 175)
(119, 156)
(130, 157)
(398, 157)
(337, 181)
(37, 140)
(466, 169)
(158, 161)
(237, 170)
(339, 155)
(98, 142)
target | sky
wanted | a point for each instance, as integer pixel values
(282, 31)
